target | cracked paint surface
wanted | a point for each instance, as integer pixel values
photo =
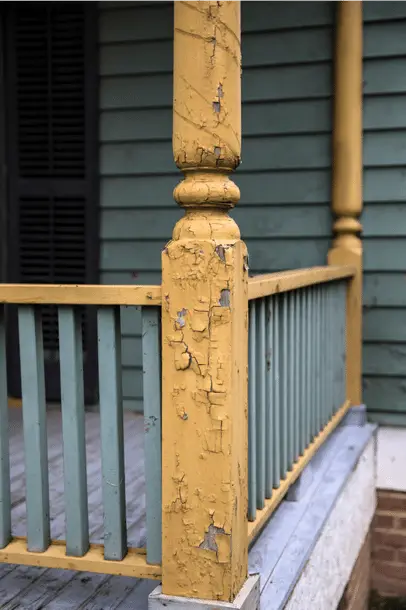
(204, 410)
(207, 89)
(205, 318)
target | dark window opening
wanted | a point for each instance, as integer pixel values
(51, 69)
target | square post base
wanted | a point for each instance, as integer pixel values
(247, 599)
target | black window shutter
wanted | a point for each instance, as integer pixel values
(52, 108)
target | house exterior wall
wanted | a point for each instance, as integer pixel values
(388, 537)
(284, 213)
(384, 217)
(136, 167)
(285, 176)
(330, 569)
(356, 594)
(389, 525)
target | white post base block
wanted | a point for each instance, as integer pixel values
(247, 599)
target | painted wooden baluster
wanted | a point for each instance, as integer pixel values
(276, 395)
(330, 334)
(284, 376)
(322, 353)
(333, 334)
(309, 368)
(151, 365)
(339, 364)
(111, 426)
(295, 377)
(332, 344)
(314, 362)
(5, 500)
(261, 406)
(319, 358)
(324, 368)
(35, 427)
(73, 429)
(269, 399)
(343, 344)
(341, 372)
(336, 321)
(303, 370)
(324, 356)
(291, 378)
(252, 452)
(298, 341)
(315, 359)
(321, 367)
(334, 324)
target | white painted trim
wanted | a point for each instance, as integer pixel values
(328, 570)
(247, 599)
(391, 458)
(307, 551)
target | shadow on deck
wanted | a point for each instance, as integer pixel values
(40, 588)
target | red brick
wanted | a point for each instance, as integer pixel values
(356, 593)
(390, 538)
(384, 521)
(399, 521)
(384, 554)
(401, 556)
(390, 500)
(387, 586)
(391, 569)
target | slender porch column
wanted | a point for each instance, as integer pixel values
(347, 177)
(204, 317)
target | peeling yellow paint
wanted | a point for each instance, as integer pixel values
(347, 179)
(207, 439)
(204, 318)
(207, 99)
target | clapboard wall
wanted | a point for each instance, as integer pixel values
(136, 166)
(384, 217)
(285, 176)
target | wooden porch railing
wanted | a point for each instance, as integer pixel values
(114, 557)
(297, 377)
(302, 318)
(297, 396)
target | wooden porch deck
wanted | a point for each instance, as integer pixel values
(40, 588)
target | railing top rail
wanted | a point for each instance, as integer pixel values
(284, 281)
(79, 294)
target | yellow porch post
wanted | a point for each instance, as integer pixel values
(204, 317)
(347, 177)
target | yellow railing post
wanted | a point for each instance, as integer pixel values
(347, 178)
(204, 317)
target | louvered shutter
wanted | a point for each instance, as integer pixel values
(52, 150)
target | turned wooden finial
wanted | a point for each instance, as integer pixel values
(207, 102)
(347, 135)
(347, 179)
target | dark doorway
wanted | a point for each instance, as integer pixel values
(51, 99)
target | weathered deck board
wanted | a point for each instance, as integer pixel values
(35, 588)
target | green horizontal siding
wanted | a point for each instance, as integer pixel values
(384, 217)
(135, 148)
(285, 176)
(384, 325)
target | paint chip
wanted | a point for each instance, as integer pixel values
(225, 298)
